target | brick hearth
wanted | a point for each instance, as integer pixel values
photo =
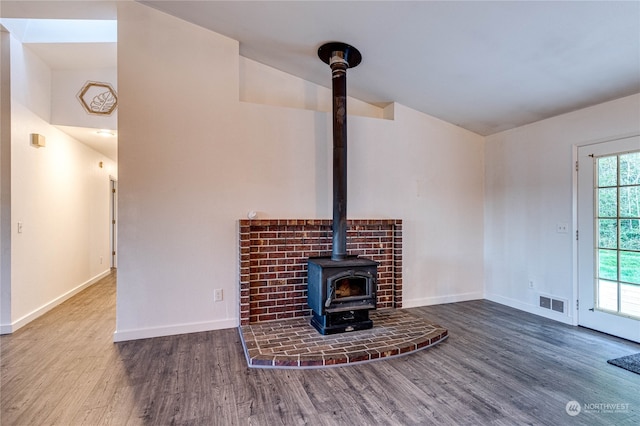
(293, 343)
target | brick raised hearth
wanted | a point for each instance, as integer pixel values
(273, 262)
(293, 343)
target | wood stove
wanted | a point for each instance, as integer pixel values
(341, 289)
(341, 293)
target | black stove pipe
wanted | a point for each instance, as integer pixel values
(340, 57)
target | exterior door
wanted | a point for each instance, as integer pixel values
(609, 237)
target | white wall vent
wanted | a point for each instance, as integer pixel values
(551, 303)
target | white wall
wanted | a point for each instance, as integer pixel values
(30, 81)
(430, 174)
(194, 159)
(58, 193)
(528, 191)
(262, 84)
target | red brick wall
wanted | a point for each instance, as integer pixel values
(273, 262)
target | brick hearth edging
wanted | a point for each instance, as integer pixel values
(273, 262)
(293, 343)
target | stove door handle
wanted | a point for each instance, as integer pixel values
(330, 297)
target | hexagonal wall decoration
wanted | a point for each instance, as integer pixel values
(98, 98)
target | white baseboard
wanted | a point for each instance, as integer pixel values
(170, 330)
(439, 300)
(21, 322)
(532, 309)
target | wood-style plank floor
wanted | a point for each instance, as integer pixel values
(499, 366)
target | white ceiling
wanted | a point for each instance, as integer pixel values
(103, 143)
(485, 66)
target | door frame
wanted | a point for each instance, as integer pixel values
(574, 219)
(113, 221)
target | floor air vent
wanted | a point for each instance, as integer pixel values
(548, 302)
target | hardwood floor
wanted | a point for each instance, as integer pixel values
(499, 366)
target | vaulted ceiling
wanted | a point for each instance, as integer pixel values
(485, 66)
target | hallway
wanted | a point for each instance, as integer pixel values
(62, 350)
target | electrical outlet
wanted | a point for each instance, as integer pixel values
(562, 228)
(217, 295)
(532, 284)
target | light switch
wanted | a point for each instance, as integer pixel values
(19, 227)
